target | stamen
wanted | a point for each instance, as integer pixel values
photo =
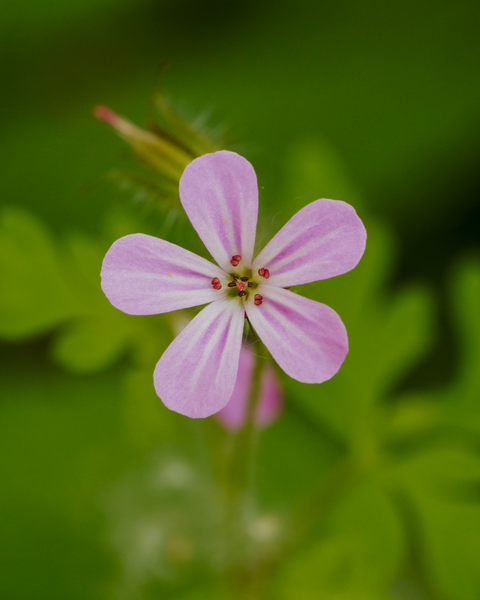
(250, 284)
(235, 260)
(232, 284)
(264, 273)
(242, 293)
(243, 278)
(257, 300)
(216, 283)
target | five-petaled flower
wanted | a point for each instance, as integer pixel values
(143, 275)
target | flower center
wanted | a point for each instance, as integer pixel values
(241, 285)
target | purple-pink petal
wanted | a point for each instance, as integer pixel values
(306, 338)
(197, 373)
(144, 275)
(220, 196)
(324, 239)
(270, 403)
(271, 397)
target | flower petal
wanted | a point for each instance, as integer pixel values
(220, 196)
(271, 399)
(324, 239)
(233, 415)
(196, 374)
(306, 338)
(143, 275)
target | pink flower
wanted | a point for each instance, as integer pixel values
(143, 275)
(233, 415)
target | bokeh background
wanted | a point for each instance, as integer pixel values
(105, 494)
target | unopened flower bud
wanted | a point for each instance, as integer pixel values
(158, 151)
(270, 403)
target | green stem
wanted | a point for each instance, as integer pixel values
(238, 483)
(239, 470)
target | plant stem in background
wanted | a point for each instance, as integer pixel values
(238, 480)
(239, 465)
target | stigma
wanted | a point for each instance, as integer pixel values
(242, 285)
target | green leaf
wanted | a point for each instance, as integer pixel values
(460, 406)
(465, 294)
(438, 485)
(387, 336)
(36, 296)
(92, 344)
(394, 339)
(410, 417)
(49, 287)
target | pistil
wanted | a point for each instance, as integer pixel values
(243, 284)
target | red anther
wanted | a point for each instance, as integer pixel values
(215, 280)
(235, 260)
(242, 293)
(258, 299)
(244, 315)
(217, 286)
(264, 273)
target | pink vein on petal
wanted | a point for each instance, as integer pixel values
(306, 338)
(196, 374)
(144, 275)
(324, 239)
(220, 196)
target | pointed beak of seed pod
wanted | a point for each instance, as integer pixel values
(159, 152)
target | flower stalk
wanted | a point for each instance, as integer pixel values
(238, 485)
(239, 469)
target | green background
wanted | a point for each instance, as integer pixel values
(374, 103)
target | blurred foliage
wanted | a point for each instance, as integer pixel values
(368, 487)
(362, 490)
(165, 149)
